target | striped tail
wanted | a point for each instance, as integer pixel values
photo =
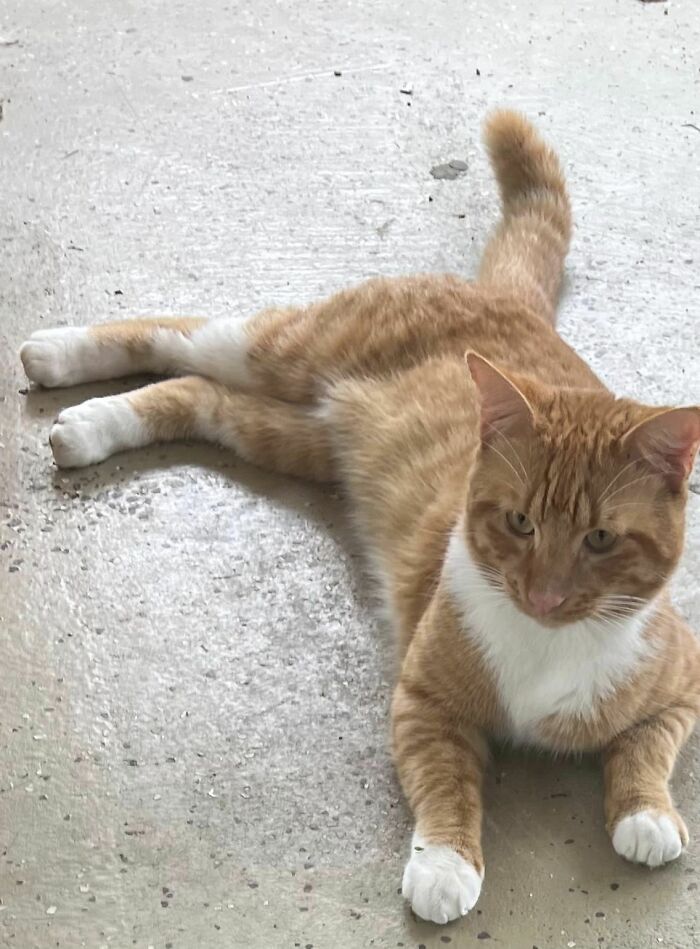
(525, 254)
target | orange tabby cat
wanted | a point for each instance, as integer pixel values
(522, 521)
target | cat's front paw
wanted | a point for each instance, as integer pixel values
(439, 883)
(650, 837)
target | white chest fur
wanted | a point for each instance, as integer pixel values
(540, 671)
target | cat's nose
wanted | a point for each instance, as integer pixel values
(544, 601)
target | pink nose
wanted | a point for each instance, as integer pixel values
(544, 601)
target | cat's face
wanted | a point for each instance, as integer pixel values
(576, 503)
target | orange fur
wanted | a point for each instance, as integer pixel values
(265, 431)
(370, 387)
(526, 252)
(135, 336)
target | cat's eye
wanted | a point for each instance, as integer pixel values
(600, 540)
(520, 523)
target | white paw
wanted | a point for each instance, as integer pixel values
(91, 432)
(57, 357)
(439, 883)
(647, 837)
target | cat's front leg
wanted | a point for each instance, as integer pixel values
(441, 766)
(644, 825)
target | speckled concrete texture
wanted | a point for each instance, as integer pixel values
(193, 688)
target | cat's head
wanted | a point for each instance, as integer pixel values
(577, 499)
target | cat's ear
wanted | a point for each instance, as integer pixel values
(503, 406)
(668, 442)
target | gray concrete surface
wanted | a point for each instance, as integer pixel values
(193, 689)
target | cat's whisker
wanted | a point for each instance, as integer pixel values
(604, 493)
(613, 614)
(611, 623)
(485, 583)
(614, 507)
(507, 483)
(631, 607)
(483, 596)
(487, 570)
(619, 609)
(490, 572)
(629, 484)
(631, 602)
(623, 598)
(510, 444)
(509, 463)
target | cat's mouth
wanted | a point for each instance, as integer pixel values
(555, 616)
(562, 611)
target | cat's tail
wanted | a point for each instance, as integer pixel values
(525, 254)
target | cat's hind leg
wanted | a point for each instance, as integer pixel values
(372, 330)
(279, 352)
(286, 438)
(69, 355)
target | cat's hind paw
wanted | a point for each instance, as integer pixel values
(87, 433)
(57, 357)
(439, 883)
(649, 837)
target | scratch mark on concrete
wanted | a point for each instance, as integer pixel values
(321, 74)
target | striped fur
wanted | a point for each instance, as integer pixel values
(371, 388)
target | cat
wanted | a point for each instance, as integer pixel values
(522, 522)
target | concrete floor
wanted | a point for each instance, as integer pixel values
(194, 691)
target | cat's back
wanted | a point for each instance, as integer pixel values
(460, 315)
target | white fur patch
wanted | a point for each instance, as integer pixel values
(439, 883)
(647, 837)
(541, 671)
(91, 432)
(217, 350)
(68, 355)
